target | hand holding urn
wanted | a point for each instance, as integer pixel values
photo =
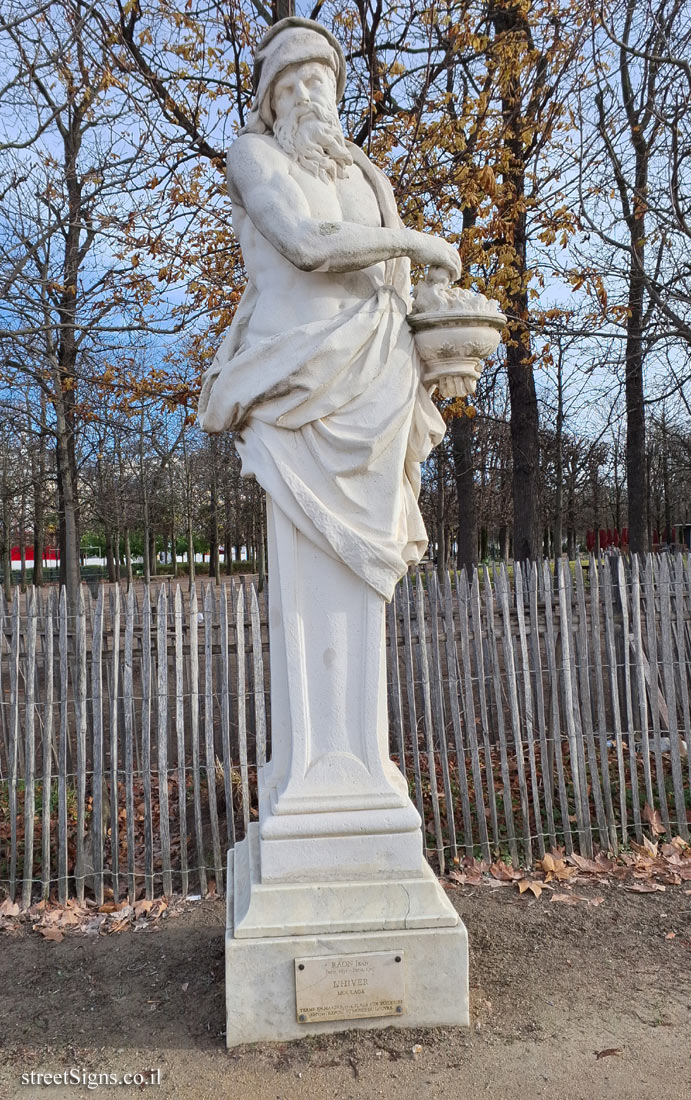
(455, 330)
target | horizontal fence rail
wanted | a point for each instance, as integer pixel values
(529, 710)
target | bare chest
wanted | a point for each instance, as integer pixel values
(349, 199)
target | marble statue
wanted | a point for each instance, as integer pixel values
(319, 378)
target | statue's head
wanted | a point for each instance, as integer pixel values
(299, 77)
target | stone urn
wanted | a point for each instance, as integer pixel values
(455, 331)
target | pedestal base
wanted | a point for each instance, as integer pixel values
(288, 908)
(261, 980)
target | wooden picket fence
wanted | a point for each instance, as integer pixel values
(528, 711)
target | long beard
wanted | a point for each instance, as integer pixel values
(312, 136)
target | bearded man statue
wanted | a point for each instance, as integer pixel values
(319, 379)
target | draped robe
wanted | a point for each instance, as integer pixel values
(333, 421)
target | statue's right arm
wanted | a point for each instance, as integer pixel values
(259, 178)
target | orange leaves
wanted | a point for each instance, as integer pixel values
(504, 872)
(647, 848)
(576, 899)
(487, 180)
(654, 820)
(54, 935)
(646, 868)
(554, 867)
(525, 884)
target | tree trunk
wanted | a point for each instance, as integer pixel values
(595, 484)
(464, 467)
(116, 553)
(153, 560)
(261, 557)
(648, 482)
(228, 551)
(6, 547)
(69, 517)
(128, 557)
(65, 382)
(617, 489)
(636, 473)
(22, 541)
(665, 478)
(38, 476)
(146, 545)
(525, 450)
(39, 535)
(559, 465)
(504, 542)
(510, 19)
(190, 552)
(110, 557)
(281, 9)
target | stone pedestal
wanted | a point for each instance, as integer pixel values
(277, 926)
(335, 865)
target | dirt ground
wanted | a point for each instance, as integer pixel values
(552, 986)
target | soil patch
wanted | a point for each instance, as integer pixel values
(589, 1000)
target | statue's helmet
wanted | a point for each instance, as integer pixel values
(292, 41)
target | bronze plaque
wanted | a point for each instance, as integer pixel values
(349, 987)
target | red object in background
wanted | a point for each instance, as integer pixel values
(615, 537)
(590, 541)
(624, 536)
(603, 539)
(50, 554)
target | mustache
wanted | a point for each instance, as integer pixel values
(303, 113)
(311, 134)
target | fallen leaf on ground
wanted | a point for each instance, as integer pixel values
(52, 934)
(69, 917)
(646, 849)
(504, 872)
(607, 1053)
(604, 863)
(654, 820)
(119, 924)
(587, 865)
(555, 867)
(574, 899)
(525, 884)
(472, 876)
(566, 899)
(670, 935)
(646, 888)
(9, 908)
